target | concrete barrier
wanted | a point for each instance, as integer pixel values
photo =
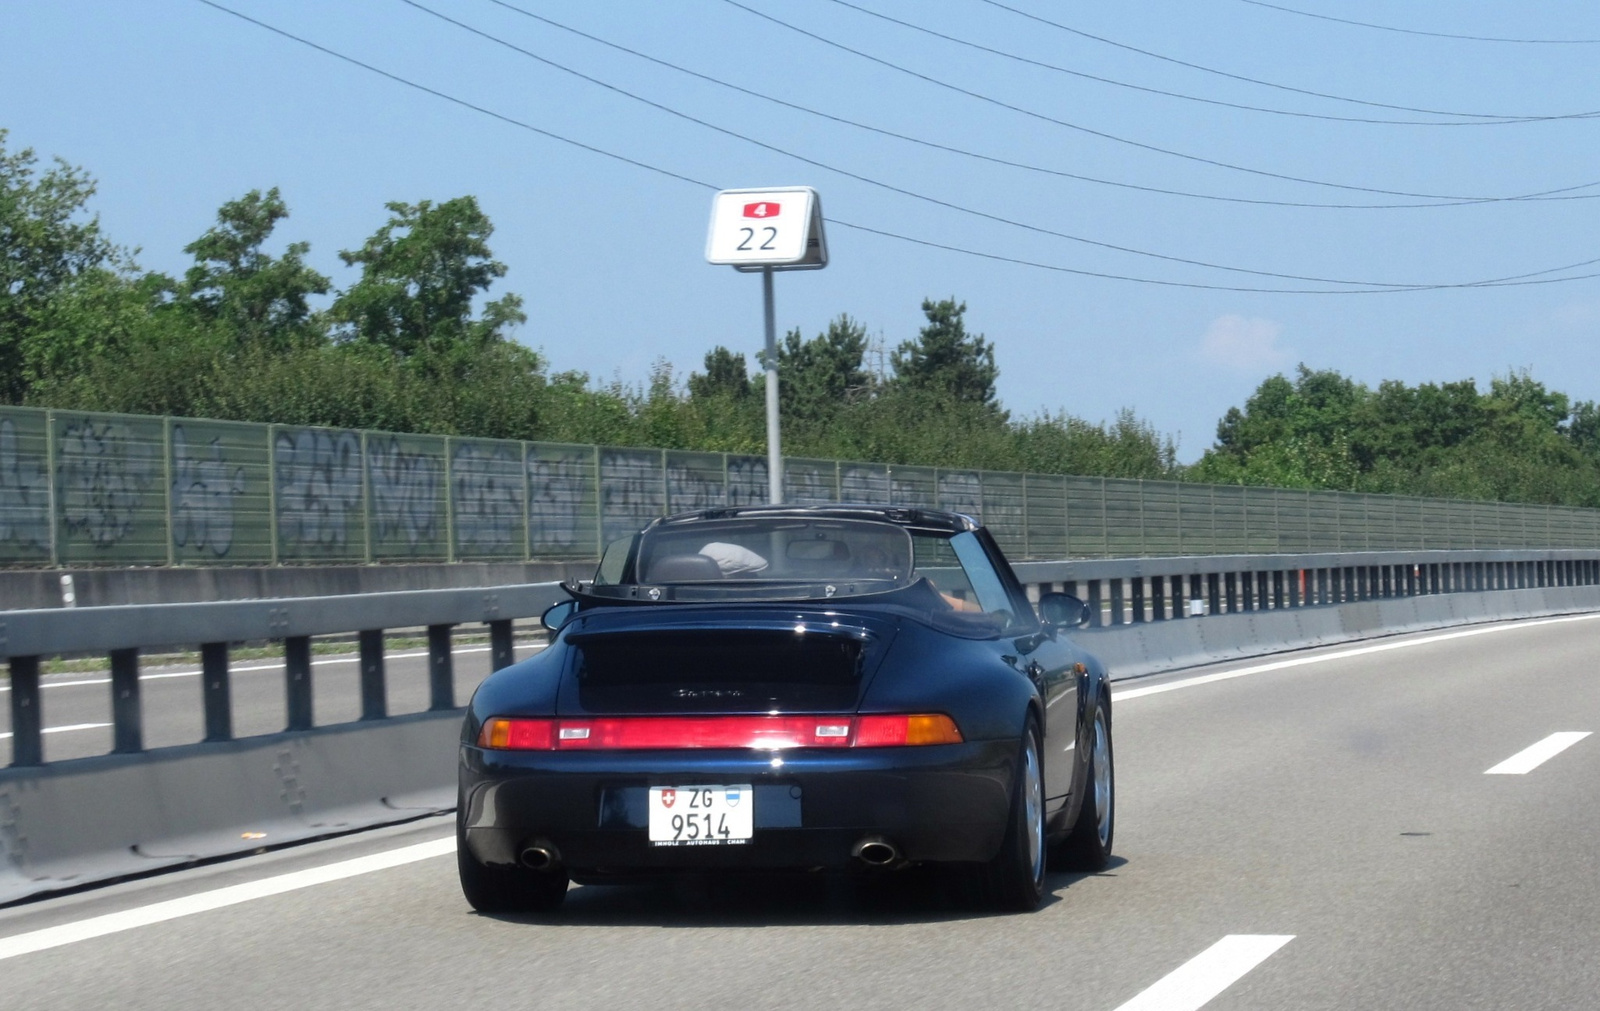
(78, 823)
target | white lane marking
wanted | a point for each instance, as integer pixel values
(1343, 654)
(1196, 981)
(62, 730)
(534, 646)
(158, 912)
(1531, 758)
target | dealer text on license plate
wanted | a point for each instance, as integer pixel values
(701, 815)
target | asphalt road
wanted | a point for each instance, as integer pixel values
(1320, 831)
(77, 706)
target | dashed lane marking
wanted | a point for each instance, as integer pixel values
(1195, 982)
(1530, 758)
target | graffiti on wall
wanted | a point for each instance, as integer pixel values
(203, 490)
(318, 480)
(559, 505)
(488, 498)
(24, 493)
(407, 504)
(105, 472)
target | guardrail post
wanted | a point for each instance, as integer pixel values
(1247, 590)
(1277, 588)
(27, 747)
(1096, 619)
(216, 695)
(1138, 599)
(374, 686)
(1296, 579)
(1230, 589)
(502, 653)
(1322, 586)
(127, 717)
(1158, 598)
(1214, 592)
(1116, 601)
(297, 681)
(441, 671)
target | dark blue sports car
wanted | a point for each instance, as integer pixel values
(835, 688)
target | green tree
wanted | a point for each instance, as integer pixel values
(946, 359)
(420, 274)
(817, 377)
(726, 375)
(260, 299)
(61, 279)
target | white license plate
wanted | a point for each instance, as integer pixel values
(701, 815)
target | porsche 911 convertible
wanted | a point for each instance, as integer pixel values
(853, 689)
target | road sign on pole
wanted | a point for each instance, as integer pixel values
(768, 230)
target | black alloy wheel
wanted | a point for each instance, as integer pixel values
(1088, 846)
(505, 889)
(1014, 880)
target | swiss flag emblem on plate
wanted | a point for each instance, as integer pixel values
(669, 797)
(764, 209)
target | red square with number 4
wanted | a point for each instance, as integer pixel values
(764, 209)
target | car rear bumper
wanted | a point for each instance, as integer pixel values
(936, 803)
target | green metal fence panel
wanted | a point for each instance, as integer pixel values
(1124, 511)
(488, 500)
(563, 501)
(407, 514)
(1228, 519)
(1046, 504)
(1161, 512)
(319, 495)
(1087, 534)
(695, 481)
(747, 480)
(960, 491)
(221, 493)
(1260, 520)
(110, 489)
(810, 482)
(633, 490)
(1322, 522)
(866, 483)
(1004, 511)
(25, 534)
(914, 486)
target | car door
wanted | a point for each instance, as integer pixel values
(1048, 659)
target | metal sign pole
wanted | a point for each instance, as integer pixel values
(774, 441)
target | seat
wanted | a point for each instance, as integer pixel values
(682, 569)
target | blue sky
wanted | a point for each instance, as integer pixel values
(176, 107)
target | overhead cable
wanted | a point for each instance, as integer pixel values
(1534, 278)
(1265, 84)
(1057, 68)
(1435, 35)
(1042, 117)
(991, 159)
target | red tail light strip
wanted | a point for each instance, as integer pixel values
(765, 733)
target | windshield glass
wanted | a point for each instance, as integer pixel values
(773, 550)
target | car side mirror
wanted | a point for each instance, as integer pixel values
(1063, 610)
(557, 615)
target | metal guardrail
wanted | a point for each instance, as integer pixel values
(1135, 590)
(1119, 591)
(122, 632)
(80, 489)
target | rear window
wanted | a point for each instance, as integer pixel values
(776, 551)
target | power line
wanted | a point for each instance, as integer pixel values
(999, 103)
(880, 184)
(966, 153)
(1018, 58)
(1435, 35)
(636, 163)
(1252, 80)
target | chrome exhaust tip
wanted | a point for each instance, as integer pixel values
(875, 851)
(539, 856)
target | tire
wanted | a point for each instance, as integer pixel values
(506, 889)
(1014, 880)
(1088, 846)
